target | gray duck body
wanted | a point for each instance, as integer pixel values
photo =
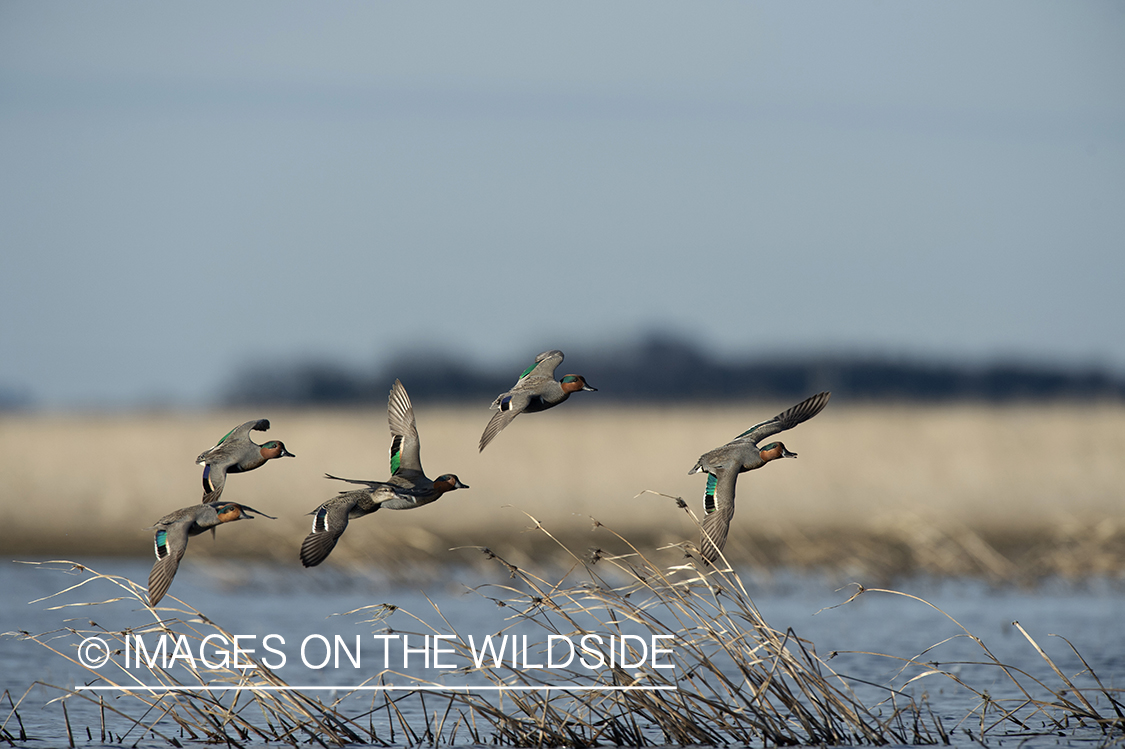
(172, 534)
(743, 453)
(406, 489)
(535, 390)
(237, 453)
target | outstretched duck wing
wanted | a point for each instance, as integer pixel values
(240, 433)
(330, 520)
(509, 406)
(718, 502)
(787, 419)
(170, 543)
(544, 366)
(406, 450)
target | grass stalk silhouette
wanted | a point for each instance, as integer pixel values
(735, 679)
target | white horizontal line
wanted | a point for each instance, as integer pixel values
(549, 688)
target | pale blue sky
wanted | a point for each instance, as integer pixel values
(186, 188)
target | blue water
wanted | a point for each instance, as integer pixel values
(310, 606)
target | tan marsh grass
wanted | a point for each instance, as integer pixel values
(883, 489)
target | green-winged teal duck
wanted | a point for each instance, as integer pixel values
(406, 489)
(237, 453)
(171, 539)
(535, 390)
(723, 464)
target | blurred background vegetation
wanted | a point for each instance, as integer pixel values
(663, 368)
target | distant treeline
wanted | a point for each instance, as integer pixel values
(668, 370)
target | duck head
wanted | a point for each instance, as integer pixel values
(775, 450)
(572, 383)
(275, 449)
(231, 511)
(447, 482)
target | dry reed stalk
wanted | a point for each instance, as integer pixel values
(736, 679)
(1051, 705)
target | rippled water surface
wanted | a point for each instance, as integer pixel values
(298, 606)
